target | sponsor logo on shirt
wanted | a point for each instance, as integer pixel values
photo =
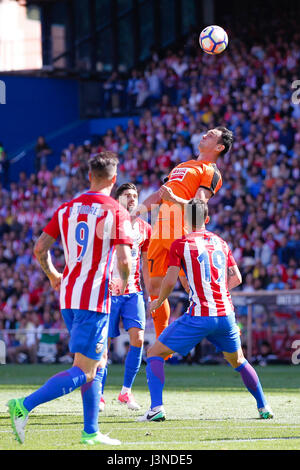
(178, 174)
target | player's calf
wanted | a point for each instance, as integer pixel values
(156, 380)
(251, 381)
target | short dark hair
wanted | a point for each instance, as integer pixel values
(197, 212)
(120, 190)
(226, 139)
(103, 164)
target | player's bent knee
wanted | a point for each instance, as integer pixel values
(158, 349)
(90, 375)
(87, 365)
(235, 359)
(136, 337)
(137, 342)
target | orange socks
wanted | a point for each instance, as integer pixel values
(161, 316)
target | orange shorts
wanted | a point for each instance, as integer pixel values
(158, 258)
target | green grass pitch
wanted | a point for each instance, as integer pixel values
(207, 408)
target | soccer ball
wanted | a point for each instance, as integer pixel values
(213, 40)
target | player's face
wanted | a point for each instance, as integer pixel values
(129, 199)
(210, 141)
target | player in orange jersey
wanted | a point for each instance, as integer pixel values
(192, 179)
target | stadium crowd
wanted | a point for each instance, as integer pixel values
(178, 96)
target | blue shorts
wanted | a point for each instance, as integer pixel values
(186, 332)
(88, 332)
(129, 307)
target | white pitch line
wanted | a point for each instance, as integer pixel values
(212, 427)
(148, 428)
(211, 441)
(199, 442)
(203, 441)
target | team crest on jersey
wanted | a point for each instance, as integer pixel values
(178, 174)
(99, 347)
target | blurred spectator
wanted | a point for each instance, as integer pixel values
(42, 150)
(4, 166)
(266, 355)
(276, 283)
(114, 94)
(25, 344)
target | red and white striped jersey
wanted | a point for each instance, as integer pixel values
(90, 226)
(141, 233)
(205, 259)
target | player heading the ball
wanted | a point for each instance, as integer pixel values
(198, 178)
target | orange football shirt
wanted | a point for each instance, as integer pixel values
(187, 177)
(184, 180)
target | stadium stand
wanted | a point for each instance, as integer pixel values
(178, 96)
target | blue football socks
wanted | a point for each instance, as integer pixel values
(60, 384)
(132, 365)
(156, 379)
(91, 393)
(251, 381)
(104, 379)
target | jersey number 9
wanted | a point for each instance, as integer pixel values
(81, 237)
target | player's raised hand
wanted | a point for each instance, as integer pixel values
(153, 306)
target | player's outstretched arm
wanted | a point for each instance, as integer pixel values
(167, 287)
(234, 277)
(167, 194)
(153, 199)
(42, 253)
(123, 253)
